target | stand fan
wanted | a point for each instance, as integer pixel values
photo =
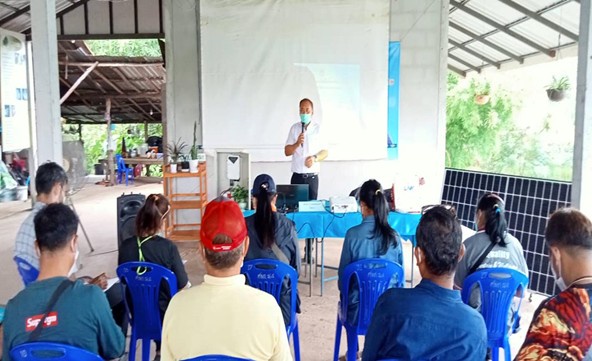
(74, 165)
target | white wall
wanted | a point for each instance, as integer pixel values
(422, 28)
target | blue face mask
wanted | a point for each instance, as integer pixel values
(305, 118)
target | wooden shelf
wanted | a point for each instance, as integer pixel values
(181, 200)
(201, 168)
(186, 204)
(184, 235)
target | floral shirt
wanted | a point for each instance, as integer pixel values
(561, 328)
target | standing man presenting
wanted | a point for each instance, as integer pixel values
(305, 146)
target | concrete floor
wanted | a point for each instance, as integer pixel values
(96, 206)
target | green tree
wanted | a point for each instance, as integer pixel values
(94, 139)
(132, 47)
(473, 131)
(486, 138)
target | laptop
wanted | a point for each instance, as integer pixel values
(288, 196)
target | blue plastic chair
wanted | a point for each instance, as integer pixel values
(498, 287)
(26, 270)
(142, 281)
(122, 169)
(268, 275)
(217, 358)
(374, 276)
(48, 351)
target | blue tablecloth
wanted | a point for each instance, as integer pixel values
(335, 225)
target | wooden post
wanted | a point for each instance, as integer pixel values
(80, 131)
(145, 131)
(110, 151)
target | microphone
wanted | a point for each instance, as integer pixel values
(302, 145)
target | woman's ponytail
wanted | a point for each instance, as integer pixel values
(373, 197)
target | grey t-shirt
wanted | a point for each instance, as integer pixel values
(509, 256)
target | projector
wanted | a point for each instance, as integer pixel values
(343, 204)
(311, 206)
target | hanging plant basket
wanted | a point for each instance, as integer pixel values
(556, 90)
(482, 99)
(555, 95)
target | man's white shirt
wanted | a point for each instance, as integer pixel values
(313, 143)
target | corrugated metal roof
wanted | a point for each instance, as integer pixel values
(486, 33)
(133, 84)
(482, 33)
(22, 22)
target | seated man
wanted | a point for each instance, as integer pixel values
(561, 328)
(223, 315)
(51, 182)
(429, 321)
(80, 315)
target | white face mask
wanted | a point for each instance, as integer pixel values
(74, 267)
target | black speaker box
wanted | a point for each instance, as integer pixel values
(128, 206)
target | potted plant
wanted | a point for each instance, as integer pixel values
(482, 96)
(174, 150)
(239, 194)
(556, 90)
(194, 162)
(184, 163)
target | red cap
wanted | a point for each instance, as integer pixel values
(223, 217)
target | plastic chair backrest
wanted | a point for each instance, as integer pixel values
(268, 275)
(217, 358)
(144, 290)
(120, 163)
(26, 270)
(498, 287)
(374, 277)
(49, 351)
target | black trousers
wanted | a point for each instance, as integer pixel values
(307, 178)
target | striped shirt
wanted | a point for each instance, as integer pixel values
(24, 246)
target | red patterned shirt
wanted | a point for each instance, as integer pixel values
(561, 328)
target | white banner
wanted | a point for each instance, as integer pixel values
(14, 99)
(259, 58)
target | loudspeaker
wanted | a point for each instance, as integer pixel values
(128, 206)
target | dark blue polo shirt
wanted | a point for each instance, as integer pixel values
(426, 322)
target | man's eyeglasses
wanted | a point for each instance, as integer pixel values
(449, 207)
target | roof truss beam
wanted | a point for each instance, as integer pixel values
(457, 70)
(475, 53)
(502, 28)
(533, 15)
(465, 63)
(94, 96)
(482, 39)
(15, 14)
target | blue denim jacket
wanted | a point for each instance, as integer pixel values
(360, 243)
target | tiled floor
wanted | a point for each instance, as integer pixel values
(96, 206)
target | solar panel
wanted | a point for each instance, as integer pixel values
(529, 202)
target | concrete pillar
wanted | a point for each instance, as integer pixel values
(45, 76)
(183, 83)
(581, 194)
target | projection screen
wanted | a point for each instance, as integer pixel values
(260, 57)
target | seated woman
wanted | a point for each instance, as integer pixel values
(150, 246)
(491, 247)
(272, 235)
(374, 238)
